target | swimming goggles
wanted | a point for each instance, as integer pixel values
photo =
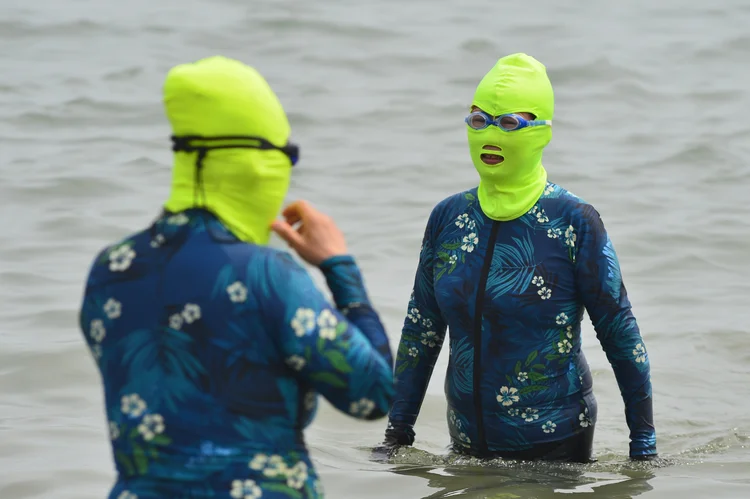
(197, 143)
(479, 120)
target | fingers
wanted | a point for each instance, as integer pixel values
(286, 232)
(298, 210)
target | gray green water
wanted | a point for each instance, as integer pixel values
(651, 127)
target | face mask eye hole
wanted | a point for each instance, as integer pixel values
(508, 122)
(477, 121)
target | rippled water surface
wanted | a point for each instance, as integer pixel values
(651, 127)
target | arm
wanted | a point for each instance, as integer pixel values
(599, 283)
(421, 340)
(344, 351)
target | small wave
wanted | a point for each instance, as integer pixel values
(318, 27)
(77, 29)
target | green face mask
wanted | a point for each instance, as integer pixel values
(517, 83)
(245, 188)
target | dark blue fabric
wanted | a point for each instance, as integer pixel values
(512, 296)
(212, 352)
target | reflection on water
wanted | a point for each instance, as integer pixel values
(460, 476)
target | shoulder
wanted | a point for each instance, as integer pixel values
(451, 207)
(556, 199)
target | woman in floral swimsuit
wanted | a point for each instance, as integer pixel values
(509, 268)
(212, 347)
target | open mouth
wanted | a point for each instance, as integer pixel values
(489, 158)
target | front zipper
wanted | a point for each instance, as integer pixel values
(481, 441)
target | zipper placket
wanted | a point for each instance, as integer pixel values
(481, 440)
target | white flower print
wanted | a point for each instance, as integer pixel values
(413, 352)
(463, 437)
(452, 416)
(245, 489)
(554, 233)
(584, 419)
(97, 331)
(549, 190)
(523, 376)
(309, 401)
(507, 396)
(452, 260)
(541, 217)
(120, 258)
(191, 313)
(569, 332)
(96, 351)
(640, 353)
(303, 321)
(413, 314)
(296, 362)
(533, 210)
(513, 412)
(175, 321)
(469, 242)
(327, 325)
(237, 292)
(113, 308)
(549, 427)
(462, 220)
(429, 338)
(158, 240)
(297, 475)
(151, 425)
(126, 494)
(132, 405)
(427, 323)
(538, 281)
(545, 293)
(114, 431)
(530, 414)
(564, 346)
(561, 319)
(570, 236)
(363, 407)
(258, 462)
(179, 219)
(275, 466)
(471, 225)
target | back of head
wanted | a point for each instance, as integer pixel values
(517, 83)
(244, 187)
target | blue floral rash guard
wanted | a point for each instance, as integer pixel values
(212, 352)
(512, 295)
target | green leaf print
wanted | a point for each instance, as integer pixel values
(551, 356)
(510, 381)
(443, 256)
(124, 462)
(451, 246)
(133, 434)
(281, 488)
(540, 367)
(518, 367)
(469, 196)
(329, 379)
(161, 440)
(141, 461)
(453, 265)
(401, 367)
(536, 377)
(440, 274)
(338, 361)
(531, 389)
(532, 356)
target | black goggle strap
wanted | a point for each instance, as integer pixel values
(201, 145)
